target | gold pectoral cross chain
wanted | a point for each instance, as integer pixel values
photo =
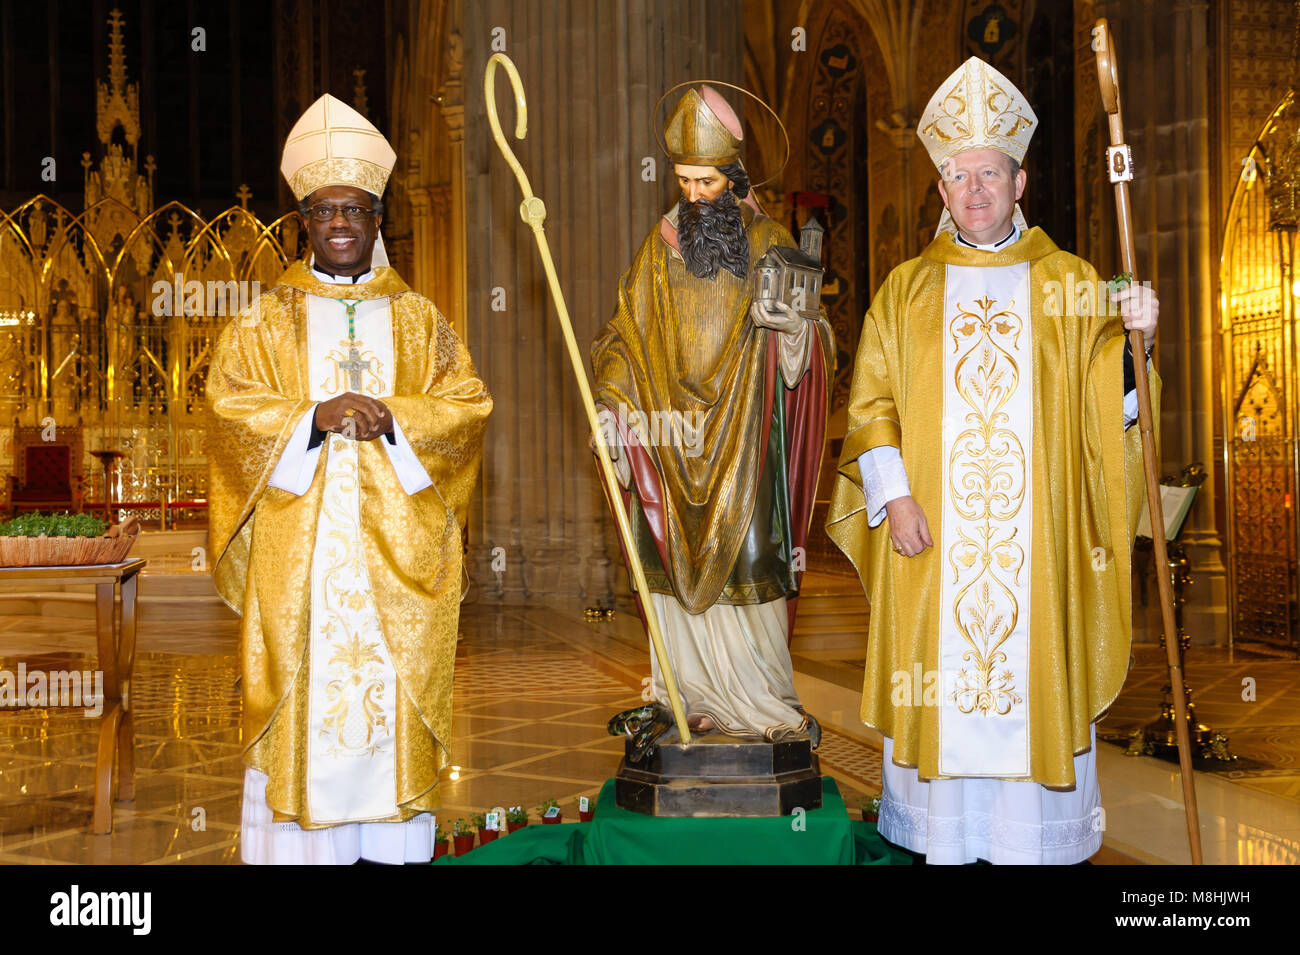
(354, 366)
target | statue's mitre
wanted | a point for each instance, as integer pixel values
(703, 130)
(976, 108)
(334, 145)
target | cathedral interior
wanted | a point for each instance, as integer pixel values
(141, 200)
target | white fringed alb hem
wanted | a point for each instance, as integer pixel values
(264, 842)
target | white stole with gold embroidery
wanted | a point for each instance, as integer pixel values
(988, 423)
(352, 712)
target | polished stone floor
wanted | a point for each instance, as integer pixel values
(534, 688)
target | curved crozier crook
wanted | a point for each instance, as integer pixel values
(521, 115)
(1107, 69)
(533, 211)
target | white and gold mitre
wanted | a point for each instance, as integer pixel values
(334, 145)
(976, 108)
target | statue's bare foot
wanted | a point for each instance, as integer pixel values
(701, 724)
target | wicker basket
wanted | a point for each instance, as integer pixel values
(112, 548)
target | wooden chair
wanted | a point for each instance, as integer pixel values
(48, 474)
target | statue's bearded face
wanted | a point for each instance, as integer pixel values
(710, 230)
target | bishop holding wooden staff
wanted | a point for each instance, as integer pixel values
(988, 492)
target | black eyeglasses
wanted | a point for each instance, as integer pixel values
(324, 213)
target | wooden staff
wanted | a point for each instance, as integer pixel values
(533, 211)
(1119, 161)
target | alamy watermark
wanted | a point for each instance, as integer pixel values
(1083, 298)
(82, 689)
(202, 298)
(661, 429)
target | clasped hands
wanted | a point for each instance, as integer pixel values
(354, 416)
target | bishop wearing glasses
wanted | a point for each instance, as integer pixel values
(346, 435)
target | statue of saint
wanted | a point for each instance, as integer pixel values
(715, 408)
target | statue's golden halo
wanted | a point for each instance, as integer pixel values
(658, 125)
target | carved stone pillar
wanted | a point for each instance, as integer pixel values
(421, 237)
(451, 102)
(903, 136)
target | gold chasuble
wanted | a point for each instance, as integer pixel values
(350, 590)
(991, 653)
(682, 356)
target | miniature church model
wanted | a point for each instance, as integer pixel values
(794, 276)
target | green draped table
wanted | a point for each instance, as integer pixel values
(825, 836)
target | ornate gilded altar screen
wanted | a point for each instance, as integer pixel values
(1260, 307)
(107, 322)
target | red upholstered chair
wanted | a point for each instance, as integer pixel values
(48, 473)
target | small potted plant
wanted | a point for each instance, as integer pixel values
(870, 808)
(485, 834)
(516, 818)
(439, 842)
(586, 808)
(550, 812)
(463, 835)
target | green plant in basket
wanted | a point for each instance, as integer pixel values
(439, 833)
(480, 821)
(549, 804)
(462, 827)
(53, 525)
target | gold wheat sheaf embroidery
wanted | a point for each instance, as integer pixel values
(987, 477)
(355, 688)
(356, 698)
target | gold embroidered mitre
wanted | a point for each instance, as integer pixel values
(703, 130)
(334, 145)
(976, 108)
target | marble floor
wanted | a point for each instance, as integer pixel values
(534, 687)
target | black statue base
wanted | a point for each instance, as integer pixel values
(720, 776)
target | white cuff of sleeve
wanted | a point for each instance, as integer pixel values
(297, 466)
(410, 472)
(1130, 408)
(1131, 404)
(883, 479)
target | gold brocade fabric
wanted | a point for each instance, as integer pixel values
(658, 355)
(262, 536)
(1087, 485)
